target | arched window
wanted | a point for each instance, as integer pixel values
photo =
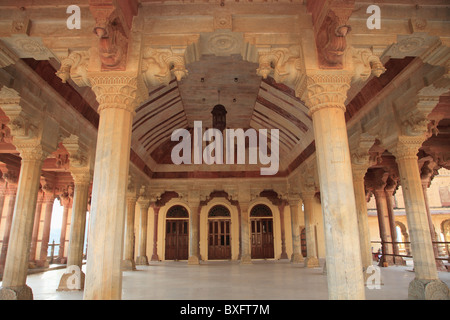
(219, 211)
(177, 212)
(261, 210)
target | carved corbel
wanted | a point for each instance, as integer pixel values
(159, 65)
(414, 120)
(365, 64)
(75, 67)
(77, 152)
(113, 21)
(330, 20)
(20, 124)
(286, 65)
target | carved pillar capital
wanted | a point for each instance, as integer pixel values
(326, 90)
(118, 90)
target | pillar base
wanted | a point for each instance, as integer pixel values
(246, 259)
(297, 258)
(193, 260)
(386, 262)
(428, 290)
(154, 257)
(142, 261)
(399, 261)
(68, 283)
(16, 293)
(311, 262)
(128, 265)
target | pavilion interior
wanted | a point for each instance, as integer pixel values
(193, 55)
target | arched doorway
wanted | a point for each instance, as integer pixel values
(177, 233)
(261, 221)
(219, 233)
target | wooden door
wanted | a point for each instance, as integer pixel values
(219, 239)
(177, 239)
(303, 242)
(262, 239)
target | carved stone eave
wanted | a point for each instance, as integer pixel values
(7, 57)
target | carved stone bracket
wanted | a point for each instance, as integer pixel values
(286, 65)
(365, 64)
(159, 65)
(330, 20)
(75, 67)
(113, 20)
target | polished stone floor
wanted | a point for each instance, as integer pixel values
(225, 280)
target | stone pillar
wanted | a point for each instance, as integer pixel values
(73, 278)
(128, 262)
(389, 194)
(117, 101)
(194, 238)
(11, 191)
(363, 221)
(283, 232)
(245, 234)
(325, 95)
(49, 199)
(155, 233)
(426, 175)
(65, 202)
(16, 266)
(295, 205)
(34, 237)
(311, 260)
(376, 180)
(144, 204)
(426, 284)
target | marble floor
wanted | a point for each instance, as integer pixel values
(225, 280)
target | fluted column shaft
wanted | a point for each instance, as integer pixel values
(194, 237)
(325, 95)
(311, 260)
(363, 220)
(129, 263)
(11, 200)
(117, 101)
(426, 284)
(16, 264)
(155, 234)
(77, 232)
(297, 256)
(142, 259)
(245, 235)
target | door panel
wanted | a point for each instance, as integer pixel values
(219, 241)
(262, 239)
(177, 240)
